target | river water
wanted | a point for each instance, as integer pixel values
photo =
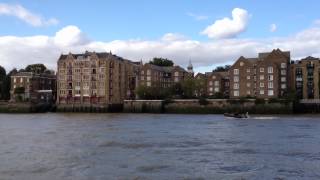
(157, 146)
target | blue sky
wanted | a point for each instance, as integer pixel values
(125, 19)
(148, 21)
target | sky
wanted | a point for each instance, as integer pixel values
(209, 33)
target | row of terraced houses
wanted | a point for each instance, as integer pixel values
(103, 79)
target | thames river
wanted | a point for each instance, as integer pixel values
(158, 146)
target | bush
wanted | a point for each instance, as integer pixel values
(260, 101)
(203, 101)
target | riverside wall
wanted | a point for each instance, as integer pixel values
(207, 106)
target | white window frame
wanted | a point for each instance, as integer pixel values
(236, 71)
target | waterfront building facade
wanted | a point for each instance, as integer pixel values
(217, 84)
(266, 76)
(32, 87)
(95, 79)
(305, 78)
(161, 76)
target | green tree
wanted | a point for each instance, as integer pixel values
(153, 92)
(19, 90)
(161, 62)
(188, 88)
(3, 76)
(222, 68)
(200, 87)
(7, 84)
(36, 68)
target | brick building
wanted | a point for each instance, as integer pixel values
(266, 76)
(218, 83)
(32, 87)
(161, 76)
(95, 79)
(305, 78)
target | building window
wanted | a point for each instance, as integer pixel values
(21, 80)
(236, 78)
(210, 89)
(148, 83)
(283, 72)
(236, 71)
(176, 73)
(216, 83)
(216, 89)
(248, 70)
(283, 79)
(241, 63)
(270, 69)
(210, 83)
(283, 65)
(261, 92)
(283, 86)
(236, 93)
(248, 77)
(235, 86)
(248, 85)
(14, 80)
(148, 78)
(213, 77)
(261, 77)
(270, 77)
(261, 69)
(248, 92)
(176, 79)
(270, 84)
(270, 92)
(148, 72)
(261, 85)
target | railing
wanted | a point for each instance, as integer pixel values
(310, 101)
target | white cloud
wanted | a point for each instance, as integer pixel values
(25, 15)
(198, 17)
(20, 51)
(273, 28)
(173, 37)
(70, 36)
(228, 28)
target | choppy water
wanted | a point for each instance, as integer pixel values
(146, 146)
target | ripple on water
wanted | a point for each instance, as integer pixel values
(124, 145)
(152, 168)
(238, 169)
(298, 136)
(244, 151)
(291, 173)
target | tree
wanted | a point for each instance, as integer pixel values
(222, 68)
(153, 92)
(3, 76)
(36, 68)
(200, 87)
(7, 84)
(19, 90)
(188, 88)
(161, 62)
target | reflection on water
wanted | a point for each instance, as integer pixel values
(148, 146)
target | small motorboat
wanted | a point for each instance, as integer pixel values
(237, 115)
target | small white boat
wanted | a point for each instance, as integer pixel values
(237, 115)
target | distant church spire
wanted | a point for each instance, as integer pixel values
(190, 67)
